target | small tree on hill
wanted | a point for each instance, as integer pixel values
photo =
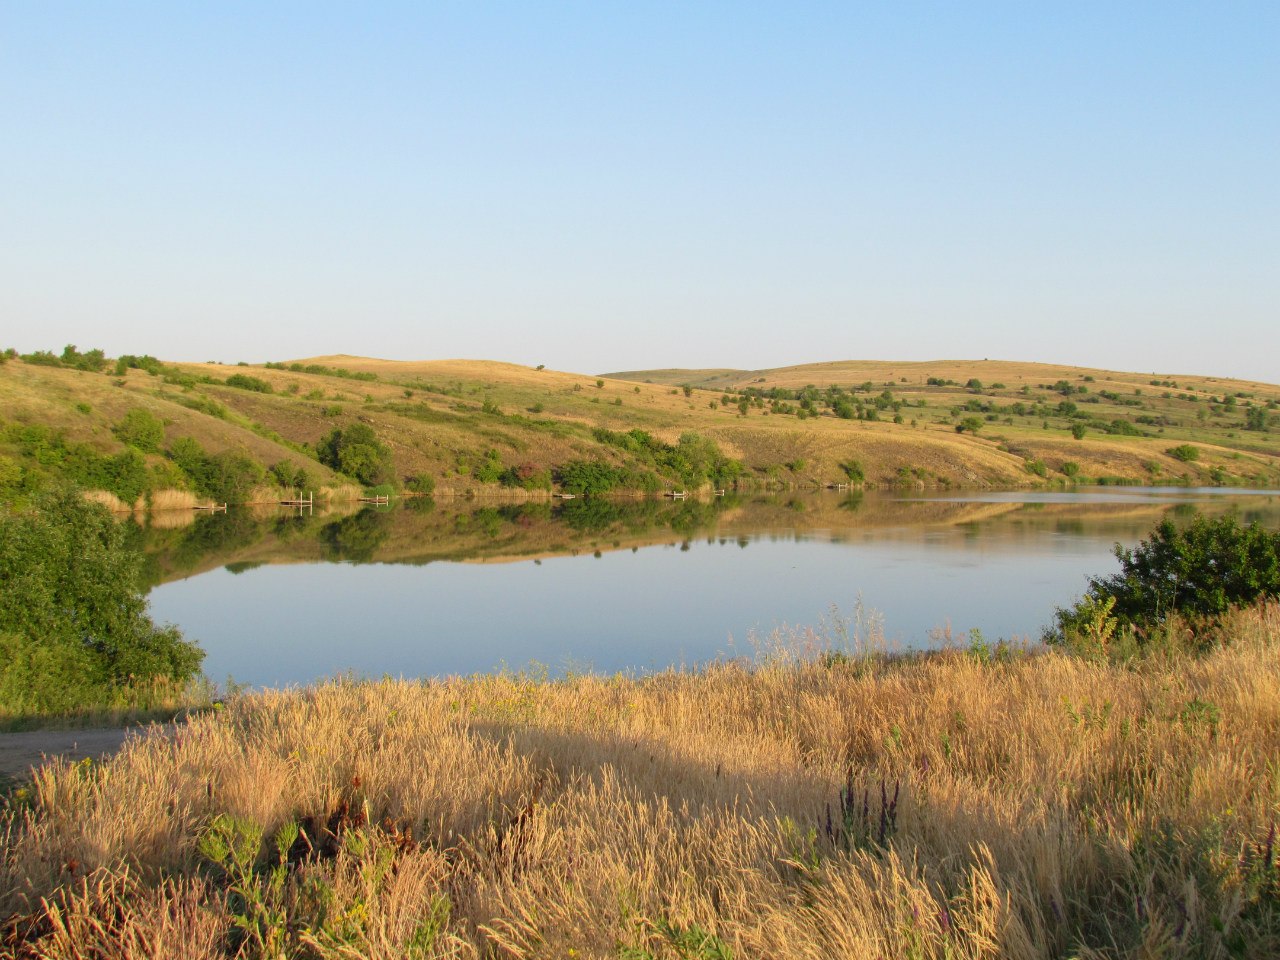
(357, 452)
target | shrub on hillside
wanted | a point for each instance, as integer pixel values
(357, 452)
(73, 619)
(243, 381)
(140, 429)
(224, 477)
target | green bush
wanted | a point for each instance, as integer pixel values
(357, 452)
(74, 627)
(1198, 571)
(422, 483)
(290, 476)
(92, 360)
(146, 362)
(854, 471)
(50, 458)
(140, 429)
(243, 381)
(224, 477)
(1184, 452)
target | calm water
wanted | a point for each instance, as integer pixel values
(459, 587)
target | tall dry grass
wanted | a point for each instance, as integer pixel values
(173, 500)
(954, 806)
(108, 500)
(337, 493)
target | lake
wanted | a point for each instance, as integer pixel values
(429, 588)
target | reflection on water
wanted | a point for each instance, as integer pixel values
(426, 588)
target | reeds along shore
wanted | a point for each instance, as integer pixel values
(958, 806)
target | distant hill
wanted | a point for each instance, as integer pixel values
(477, 426)
(854, 372)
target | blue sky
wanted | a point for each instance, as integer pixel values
(605, 186)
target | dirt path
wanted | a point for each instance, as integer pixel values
(19, 752)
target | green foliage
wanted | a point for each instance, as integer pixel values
(42, 358)
(969, 425)
(421, 483)
(1184, 452)
(488, 470)
(854, 471)
(51, 459)
(289, 475)
(357, 452)
(693, 460)
(225, 477)
(589, 476)
(1198, 571)
(140, 429)
(93, 361)
(690, 942)
(243, 381)
(528, 476)
(73, 617)
(1078, 430)
(317, 369)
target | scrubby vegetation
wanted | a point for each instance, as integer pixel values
(825, 802)
(74, 629)
(1198, 570)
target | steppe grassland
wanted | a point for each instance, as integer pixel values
(440, 417)
(1045, 806)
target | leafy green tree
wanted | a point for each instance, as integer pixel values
(969, 425)
(1184, 452)
(1078, 430)
(73, 619)
(357, 452)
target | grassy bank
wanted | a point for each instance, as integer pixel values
(968, 804)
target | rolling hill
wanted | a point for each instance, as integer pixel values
(475, 426)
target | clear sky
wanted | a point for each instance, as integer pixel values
(606, 186)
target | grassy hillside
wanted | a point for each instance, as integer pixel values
(972, 804)
(462, 426)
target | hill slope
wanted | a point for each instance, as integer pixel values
(472, 425)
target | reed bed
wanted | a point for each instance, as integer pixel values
(171, 499)
(108, 500)
(337, 493)
(1025, 804)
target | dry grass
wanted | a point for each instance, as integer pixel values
(173, 500)
(108, 500)
(1045, 807)
(338, 493)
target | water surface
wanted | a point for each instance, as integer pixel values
(430, 589)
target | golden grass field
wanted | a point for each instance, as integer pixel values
(1026, 805)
